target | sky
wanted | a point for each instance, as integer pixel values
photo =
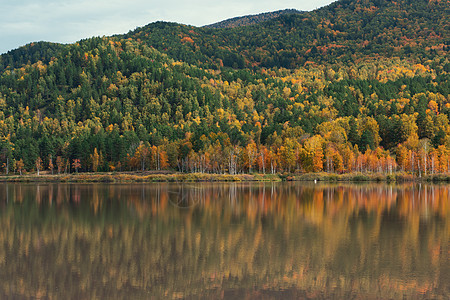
(68, 21)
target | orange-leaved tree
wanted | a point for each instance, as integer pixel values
(76, 164)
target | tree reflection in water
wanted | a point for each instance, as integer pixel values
(231, 240)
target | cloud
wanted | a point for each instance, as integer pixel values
(66, 21)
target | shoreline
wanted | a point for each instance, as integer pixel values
(129, 177)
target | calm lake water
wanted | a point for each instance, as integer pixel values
(253, 241)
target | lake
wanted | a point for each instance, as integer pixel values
(224, 240)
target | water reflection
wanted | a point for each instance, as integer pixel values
(265, 241)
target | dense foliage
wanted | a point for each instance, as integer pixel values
(341, 32)
(355, 86)
(252, 19)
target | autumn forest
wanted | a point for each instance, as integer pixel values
(357, 86)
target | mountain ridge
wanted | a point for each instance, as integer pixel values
(291, 40)
(329, 33)
(248, 20)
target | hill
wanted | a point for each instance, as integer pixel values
(251, 19)
(343, 31)
(354, 86)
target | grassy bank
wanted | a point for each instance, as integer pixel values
(368, 177)
(199, 177)
(139, 177)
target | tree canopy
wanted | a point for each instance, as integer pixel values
(357, 85)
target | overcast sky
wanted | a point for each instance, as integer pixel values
(67, 21)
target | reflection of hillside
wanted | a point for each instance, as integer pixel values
(98, 241)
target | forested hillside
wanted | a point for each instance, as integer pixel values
(251, 19)
(354, 86)
(336, 33)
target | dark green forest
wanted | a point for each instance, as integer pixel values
(252, 19)
(354, 86)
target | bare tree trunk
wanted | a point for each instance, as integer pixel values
(425, 164)
(158, 160)
(432, 165)
(418, 165)
(263, 162)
